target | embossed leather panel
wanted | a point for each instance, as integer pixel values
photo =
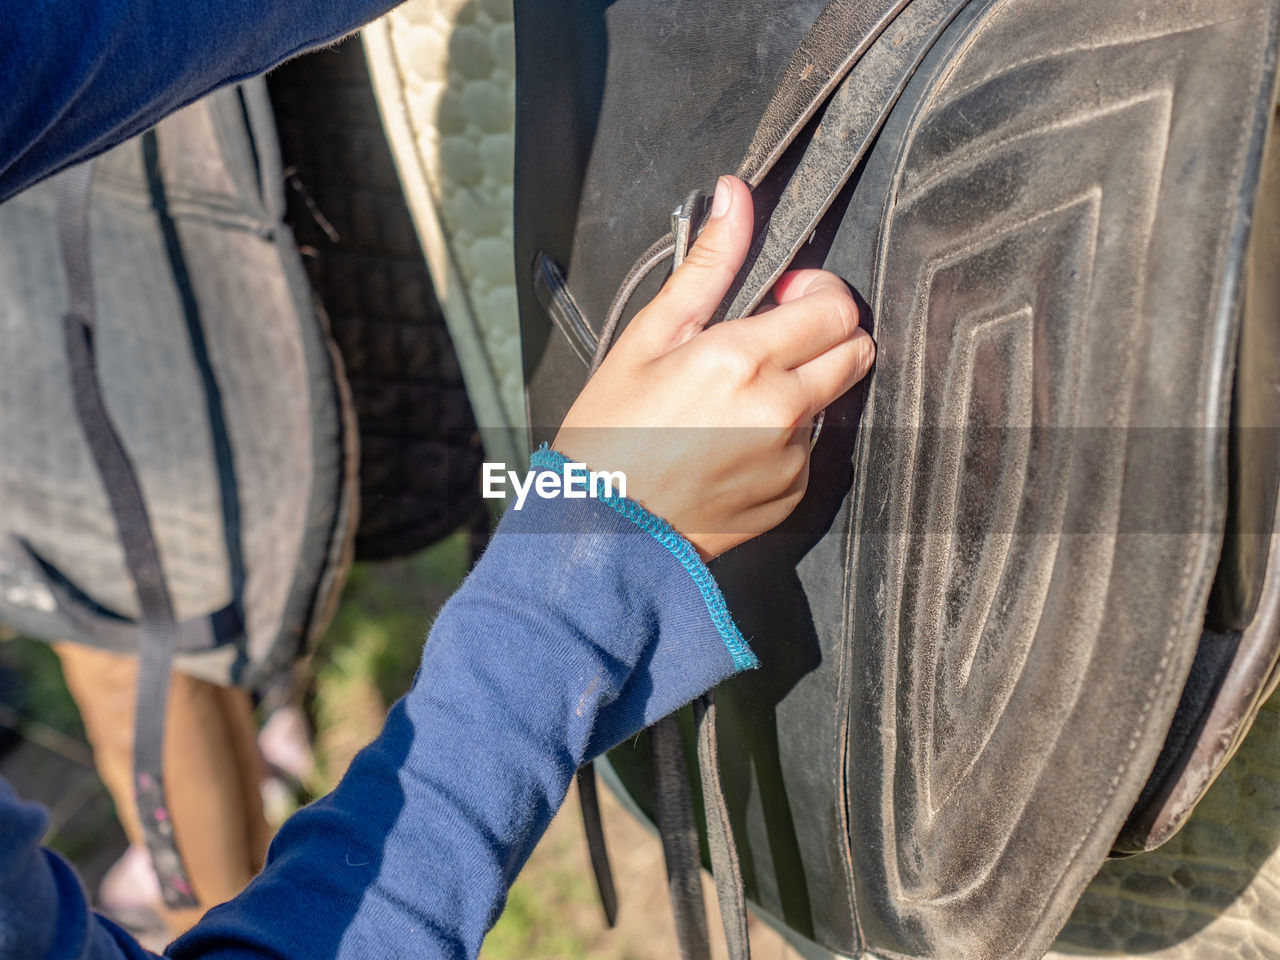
(1040, 499)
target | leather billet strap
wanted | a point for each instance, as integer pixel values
(838, 38)
(593, 827)
(852, 118)
(673, 800)
(726, 868)
(157, 629)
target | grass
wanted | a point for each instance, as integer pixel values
(41, 695)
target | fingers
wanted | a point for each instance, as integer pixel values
(830, 375)
(816, 312)
(795, 284)
(690, 297)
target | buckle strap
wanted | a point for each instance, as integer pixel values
(157, 629)
(673, 801)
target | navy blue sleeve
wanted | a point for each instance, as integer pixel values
(78, 77)
(44, 913)
(585, 621)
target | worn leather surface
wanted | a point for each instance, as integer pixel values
(1236, 664)
(976, 629)
(1034, 205)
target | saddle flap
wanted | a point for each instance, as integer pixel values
(1235, 669)
(1042, 460)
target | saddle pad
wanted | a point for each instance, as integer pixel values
(1212, 891)
(445, 81)
(420, 452)
(220, 380)
(977, 628)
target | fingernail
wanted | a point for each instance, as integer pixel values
(720, 202)
(868, 351)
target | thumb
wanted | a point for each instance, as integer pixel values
(690, 297)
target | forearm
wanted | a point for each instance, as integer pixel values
(77, 78)
(561, 643)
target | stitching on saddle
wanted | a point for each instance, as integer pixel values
(1231, 220)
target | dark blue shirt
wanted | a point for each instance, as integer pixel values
(585, 621)
(78, 77)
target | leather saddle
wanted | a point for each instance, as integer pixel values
(1029, 606)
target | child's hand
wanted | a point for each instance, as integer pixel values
(711, 425)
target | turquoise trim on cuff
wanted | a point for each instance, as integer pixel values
(680, 548)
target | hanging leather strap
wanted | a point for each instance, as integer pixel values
(836, 41)
(725, 865)
(673, 800)
(593, 827)
(157, 626)
(856, 109)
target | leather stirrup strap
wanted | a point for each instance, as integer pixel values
(593, 827)
(157, 628)
(856, 109)
(838, 38)
(674, 802)
(726, 868)
(842, 33)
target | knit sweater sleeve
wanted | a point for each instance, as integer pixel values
(80, 76)
(582, 623)
(585, 621)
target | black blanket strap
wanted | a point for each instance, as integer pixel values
(593, 827)
(157, 628)
(725, 865)
(673, 800)
(92, 623)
